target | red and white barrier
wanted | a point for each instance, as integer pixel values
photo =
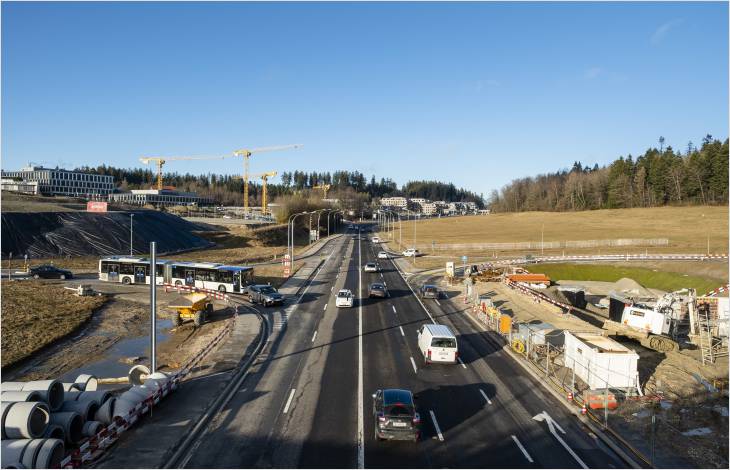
(717, 291)
(537, 296)
(182, 288)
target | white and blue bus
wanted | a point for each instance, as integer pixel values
(214, 276)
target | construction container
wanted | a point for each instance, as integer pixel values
(533, 280)
(505, 324)
(600, 361)
(599, 399)
(575, 295)
(537, 332)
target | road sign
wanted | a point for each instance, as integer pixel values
(287, 264)
(464, 258)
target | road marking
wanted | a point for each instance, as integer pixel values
(524, 452)
(394, 309)
(415, 369)
(360, 401)
(288, 402)
(325, 307)
(332, 288)
(401, 331)
(381, 276)
(552, 425)
(461, 362)
(436, 424)
(314, 336)
(437, 301)
(485, 396)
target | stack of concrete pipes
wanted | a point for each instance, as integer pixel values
(41, 418)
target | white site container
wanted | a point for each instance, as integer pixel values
(600, 361)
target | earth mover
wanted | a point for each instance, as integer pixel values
(197, 307)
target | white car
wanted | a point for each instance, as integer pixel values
(344, 298)
(411, 252)
(371, 268)
(376, 240)
(383, 255)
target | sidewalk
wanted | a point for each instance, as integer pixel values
(292, 285)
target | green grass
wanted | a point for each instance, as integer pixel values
(666, 281)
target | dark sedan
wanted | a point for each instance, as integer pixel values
(429, 291)
(395, 415)
(46, 271)
(378, 290)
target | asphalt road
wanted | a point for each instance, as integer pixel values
(307, 402)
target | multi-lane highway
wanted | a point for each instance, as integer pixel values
(307, 400)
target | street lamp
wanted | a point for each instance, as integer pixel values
(131, 234)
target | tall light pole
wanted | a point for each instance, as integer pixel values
(542, 239)
(131, 234)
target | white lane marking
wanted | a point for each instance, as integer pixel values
(401, 331)
(485, 396)
(461, 362)
(524, 452)
(552, 424)
(314, 336)
(413, 363)
(394, 309)
(436, 425)
(437, 301)
(414, 292)
(288, 402)
(325, 307)
(360, 401)
(332, 288)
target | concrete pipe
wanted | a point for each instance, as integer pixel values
(67, 387)
(122, 407)
(12, 452)
(105, 415)
(86, 383)
(24, 419)
(73, 395)
(92, 428)
(99, 396)
(54, 431)
(137, 393)
(87, 409)
(15, 465)
(50, 454)
(19, 395)
(31, 452)
(136, 373)
(156, 381)
(12, 386)
(72, 425)
(52, 390)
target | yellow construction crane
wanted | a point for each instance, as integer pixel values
(324, 188)
(246, 153)
(265, 178)
(161, 161)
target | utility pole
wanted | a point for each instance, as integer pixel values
(542, 239)
(153, 307)
(131, 234)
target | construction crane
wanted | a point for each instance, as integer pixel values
(246, 153)
(161, 161)
(264, 177)
(324, 188)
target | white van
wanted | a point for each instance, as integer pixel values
(437, 344)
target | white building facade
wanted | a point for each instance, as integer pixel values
(63, 182)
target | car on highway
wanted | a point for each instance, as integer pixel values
(47, 271)
(344, 298)
(429, 291)
(411, 252)
(376, 239)
(377, 289)
(383, 255)
(395, 416)
(263, 294)
(437, 344)
(371, 268)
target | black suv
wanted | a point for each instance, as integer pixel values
(264, 294)
(46, 271)
(395, 415)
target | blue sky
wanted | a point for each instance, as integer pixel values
(474, 94)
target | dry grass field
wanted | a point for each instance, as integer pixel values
(35, 314)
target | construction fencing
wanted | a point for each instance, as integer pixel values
(553, 245)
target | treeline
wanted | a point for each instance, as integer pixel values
(227, 189)
(658, 177)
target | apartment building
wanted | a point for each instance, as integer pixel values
(63, 182)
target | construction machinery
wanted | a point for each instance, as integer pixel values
(324, 188)
(162, 160)
(265, 178)
(246, 154)
(656, 325)
(196, 306)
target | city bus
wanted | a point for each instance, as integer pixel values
(215, 276)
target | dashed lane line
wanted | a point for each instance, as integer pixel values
(461, 362)
(288, 402)
(524, 452)
(314, 336)
(485, 396)
(325, 307)
(436, 425)
(413, 363)
(393, 306)
(401, 331)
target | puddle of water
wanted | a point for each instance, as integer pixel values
(109, 364)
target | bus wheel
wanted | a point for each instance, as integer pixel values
(177, 320)
(126, 280)
(178, 283)
(199, 318)
(209, 309)
(221, 288)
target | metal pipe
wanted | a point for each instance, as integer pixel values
(153, 306)
(131, 234)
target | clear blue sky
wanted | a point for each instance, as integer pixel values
(475, 94)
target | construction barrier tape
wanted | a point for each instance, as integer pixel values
(719, 290)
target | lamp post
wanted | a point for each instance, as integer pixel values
(542, 239)
(290, 235)
(131, 234)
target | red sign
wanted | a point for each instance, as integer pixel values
(287, 265)
(96, 206)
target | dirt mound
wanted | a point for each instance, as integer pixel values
(629, 286)
(50, 234)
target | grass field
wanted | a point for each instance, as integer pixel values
(35, 314)
(685, 227)
(653, 278)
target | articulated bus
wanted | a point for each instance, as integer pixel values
(215, 276)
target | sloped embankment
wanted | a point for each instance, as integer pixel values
(51, 234)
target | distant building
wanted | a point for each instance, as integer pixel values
(397, 202)
(19, 186)
(428, 208)
(63, 182)
(483, 211)
(156, 197)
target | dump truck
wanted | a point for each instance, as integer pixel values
(197, 307)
